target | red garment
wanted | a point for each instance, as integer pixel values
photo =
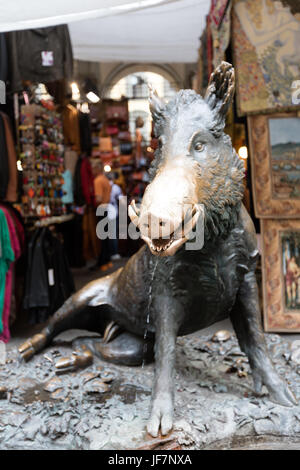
(14, 240)
(87, 182)
(18, 225)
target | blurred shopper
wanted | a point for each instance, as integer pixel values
(102, 189)
(116, 193)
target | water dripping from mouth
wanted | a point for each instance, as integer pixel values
(155, 261)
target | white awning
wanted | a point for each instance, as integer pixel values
(117, 30)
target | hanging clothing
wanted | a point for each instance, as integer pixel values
(4, 165)
(12, 185)
(13, 301)
(9, 293)
(18, 221)
(67, 188)
(85, 133)
(73, 240)
(71, 128)
(6, 258)
(3, 58)
(70, 159)
(60, 279)
(87, 181)
(49, 281)
(39, 55)
(91, 243)
(78, 192)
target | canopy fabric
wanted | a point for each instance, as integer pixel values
(117, 30)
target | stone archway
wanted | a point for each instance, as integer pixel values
(121, 71)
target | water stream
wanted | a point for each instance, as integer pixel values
(155, 261)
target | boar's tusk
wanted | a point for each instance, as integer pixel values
(133, 213)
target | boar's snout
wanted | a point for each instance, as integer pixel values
(155, 225)
(167, 214)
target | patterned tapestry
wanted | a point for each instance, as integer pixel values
(214, 41)
(220, 15)
(266, 42)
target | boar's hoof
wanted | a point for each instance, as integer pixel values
(277, 388)
(31, 346)
(161, 415)
(78, 360)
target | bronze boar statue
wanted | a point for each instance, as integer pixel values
(164, 287)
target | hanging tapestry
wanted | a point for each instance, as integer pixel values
(266, 38)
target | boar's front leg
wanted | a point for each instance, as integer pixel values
(168, 314)
(245, 318)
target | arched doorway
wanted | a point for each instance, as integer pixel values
(134, 86)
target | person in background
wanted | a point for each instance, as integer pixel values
(102, 189)
(116, 193)
(139, 123)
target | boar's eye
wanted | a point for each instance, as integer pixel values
(198, 146)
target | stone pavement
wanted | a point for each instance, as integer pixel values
(106, 406)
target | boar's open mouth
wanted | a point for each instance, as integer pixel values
(161, 244)
(169, 244)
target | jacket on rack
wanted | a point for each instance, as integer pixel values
(49, 281)
(39, 55)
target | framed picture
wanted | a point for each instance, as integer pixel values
(266, 36)
(275, 164)
(281, 274)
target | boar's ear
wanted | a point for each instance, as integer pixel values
(220, 91)
(157, 105)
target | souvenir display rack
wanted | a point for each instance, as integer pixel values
(41, 155)
(112, 144)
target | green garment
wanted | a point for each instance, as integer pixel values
(6, 257)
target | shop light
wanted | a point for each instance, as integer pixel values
(85, 108)
(107, 168)
(243, 152)
(19, 165)
(75, 91)
(92, 97)
(41, 92)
